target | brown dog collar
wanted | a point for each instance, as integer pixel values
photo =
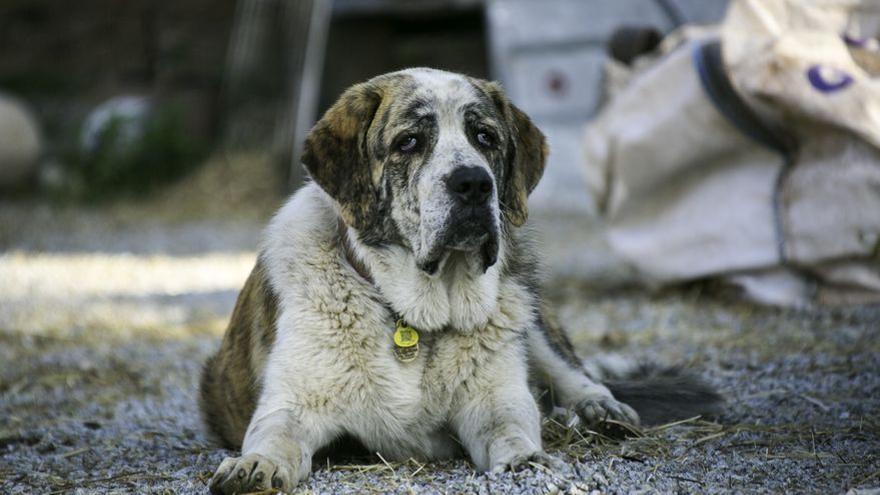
(350, 256)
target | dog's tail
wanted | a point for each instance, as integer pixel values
(660, 394)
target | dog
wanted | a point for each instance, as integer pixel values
(395, 298)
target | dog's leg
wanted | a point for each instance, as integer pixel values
(572, 388)
(498, 421)
(276, 453)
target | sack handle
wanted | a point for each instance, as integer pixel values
(709, 62)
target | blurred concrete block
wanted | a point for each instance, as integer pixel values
(20, 143)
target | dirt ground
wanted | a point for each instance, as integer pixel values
(106, 315)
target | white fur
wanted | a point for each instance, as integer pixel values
(460, 296)
(570, 385)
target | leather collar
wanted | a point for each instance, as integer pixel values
(350, 256)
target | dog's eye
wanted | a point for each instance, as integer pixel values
(485, 139)
(408, 144)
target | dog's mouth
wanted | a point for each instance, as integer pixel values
(466, 241)
(476, 234)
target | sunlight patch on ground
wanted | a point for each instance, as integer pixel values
(67, 294)
(93, 274)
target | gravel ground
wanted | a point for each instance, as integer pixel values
(104, 324)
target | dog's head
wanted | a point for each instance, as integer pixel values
(434, 161)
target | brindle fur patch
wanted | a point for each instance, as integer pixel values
(230, 379)
(526, 154)
(335, 153)
(349, 153)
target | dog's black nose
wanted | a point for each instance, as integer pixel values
(471, 185)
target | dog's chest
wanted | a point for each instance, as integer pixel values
(355, 374)
(406, 406)
(408, 389)
(339, 359)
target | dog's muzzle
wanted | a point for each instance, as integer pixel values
(472, 225)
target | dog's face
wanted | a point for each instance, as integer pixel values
(433, 161)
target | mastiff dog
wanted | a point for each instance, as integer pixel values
(395, 300)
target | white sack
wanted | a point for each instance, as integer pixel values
(688, 194)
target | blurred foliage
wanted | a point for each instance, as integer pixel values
(133, 166)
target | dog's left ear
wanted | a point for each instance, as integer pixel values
(526, 154)
(335, 153)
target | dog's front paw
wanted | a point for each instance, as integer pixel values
(251, 473)
(516, 462)
(592, 411)
(516, 452)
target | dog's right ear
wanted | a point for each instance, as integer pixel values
(335, 153)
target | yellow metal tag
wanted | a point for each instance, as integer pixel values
(406, 342)
(405, 335)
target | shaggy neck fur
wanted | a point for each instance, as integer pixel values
(459, 296)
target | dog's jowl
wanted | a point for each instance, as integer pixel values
(395, 298)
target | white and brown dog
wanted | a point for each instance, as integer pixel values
(395, 298)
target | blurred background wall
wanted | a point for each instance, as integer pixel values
(255, 74)
(64, 58)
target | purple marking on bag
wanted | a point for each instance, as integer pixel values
(870, 44)
(853, 41)
(827, 79)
